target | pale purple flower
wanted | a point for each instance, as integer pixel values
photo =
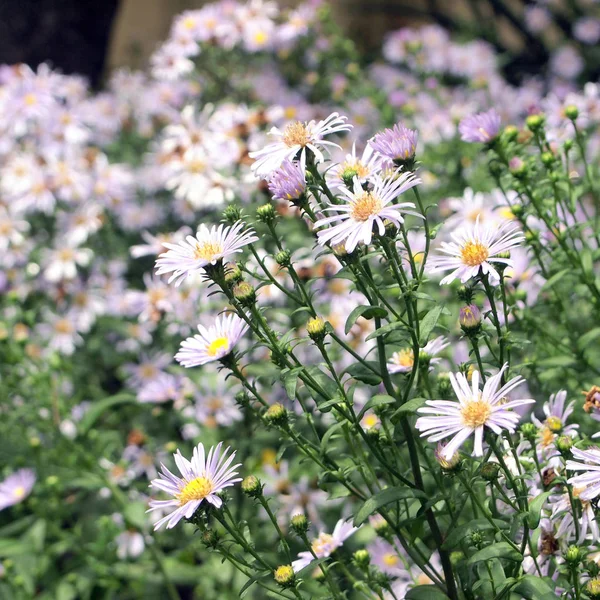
(474, 250)
(201, 479)
(587, 484)
(213, 343)
(475, 410)
(325, 544)
(366, 209)
(288, 182)
(191, 256)
(16, 487)
(482, 127)
(398, 143)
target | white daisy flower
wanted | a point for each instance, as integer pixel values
(367, 208)
(588, 482)
(325, 544)
(403, 360)
(16, 487)
(193, 254)
(213, 343)
(474, 249)
(363, 167)
(202, 479)
(294, 140)
(475, 410)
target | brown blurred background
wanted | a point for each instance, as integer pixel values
(94, 36)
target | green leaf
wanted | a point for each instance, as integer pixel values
(377, 400)
(457, 535)
(328, 385)
(587, 338)
(135, 513)
(360, 372)
(385, 497)
(366, 312)
(587, 262)
(535, 588)
(425, 592)
(328, 434)
(410, 407)
(429, 322)
(251, 582)
(498, 550)
(98, 408)
(555, 278)
(534, 513)
(558, 361)
(385, 330)
(289, 378)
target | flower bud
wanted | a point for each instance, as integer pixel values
(276, 415)
(233, 274)
(361, 558)
(444, 386)
(244, 293)
(564, 444)
(242, 399)
(35, 441)
(592, 588)
(476, 538)
(316, 329)
(285, 576)
(547, 159)
(299, 524)
(470, 319)
(535, 122)
(282, 258)
(573, 555)
(52, 480)
(568, 145)
(456, 557)
(571, 112)
(489, 471)
(465, 293)
(517, 210)
(232, 214)
(265, 213)
(529, 431)
(252, 487)
(510, 133)
(210, 538)
(517, 166)
(447, 464)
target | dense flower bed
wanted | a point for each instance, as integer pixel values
(336, 313)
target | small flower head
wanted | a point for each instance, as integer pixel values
(16, 487)
(299, 524)
(201, 480)
(213, 343)
(251, 486)
(285, 576)
(366, 210)
(316, 328)
(208, 247)
(588, 481)
(476, 250)
(276, 414)
(470, 319)
(475, 410)
(288, 182)
(398, 144)
(482, 127)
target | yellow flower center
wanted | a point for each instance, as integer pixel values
(352, 169)
(196, 166)
(369, 421)
(260, 37)
(66, 254)
(30, 99)
(554, 424)
(63, 326)
(474, 253)
(365, 206)
(207, 250)
(390, 560)
(284, 574)
(320, 545)
(19, 492)
(148, 371)
(217, 345)
(404, 358)
(189, 23)
(197, 489)
(546, 437)
(423, 579)
(475, 413)
(296, 134)
(290, 112)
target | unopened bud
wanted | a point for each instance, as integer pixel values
(517, 166)
(489, 471)
(564, 444)
(282, 258)
(535, 122)
(244, 293)
(265, 213)
(233, 274)
(361, 558)
(573, 555)
(316, 329)
(299, 524)
(592, 587)
(571, 112)
(285, 576)
(252, 487)
(210, 538)
(529, 431)
(276, 414)
(447, 464)
(511, 133)
(444, 386)
(547, 159)
(465, 293)
(470, 319)
(232, 214)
